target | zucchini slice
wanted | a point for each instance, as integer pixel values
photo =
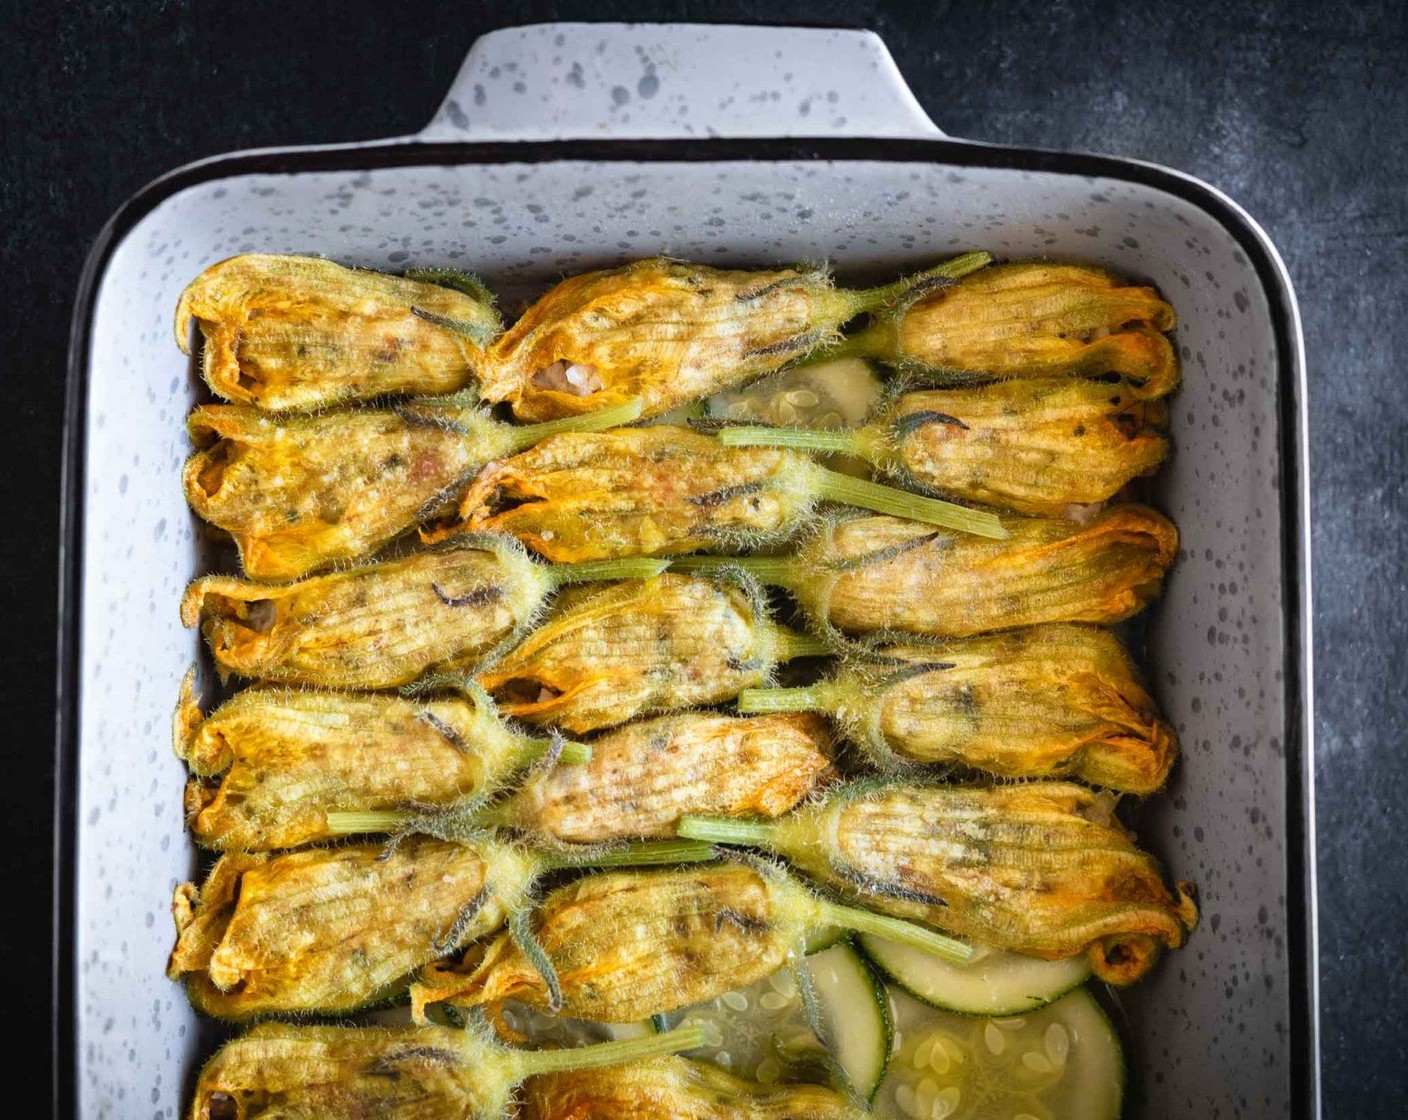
(1062, 1062)
(855, 1016)
(761, 1032)
(994, 982)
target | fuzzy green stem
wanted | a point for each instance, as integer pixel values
(599, 421)
(844, 488)
(801, 439)
(646, 853)
(570, 753)
(610, 1053)
(723, 830)
(874, 299)
(520, 929)
(370, 820)
(590, 571)
(895, 929)
(530, 750)
(775, 570)
(758, 701)
(790, 644)
(502, 813)
(877, 340)
(880, 338)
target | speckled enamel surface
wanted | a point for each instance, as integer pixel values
(1209, 1029)
(551, 80)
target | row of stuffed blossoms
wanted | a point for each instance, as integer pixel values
(301, 333)
(1040, 868)
(649, 641)
(395, 785)
(274, 767)
(1026, 387)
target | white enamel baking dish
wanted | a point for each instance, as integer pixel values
(568, 146)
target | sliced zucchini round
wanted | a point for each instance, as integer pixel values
(542, 1029)
(855, 1015)
(994, 982)
(1062, 1062)
(761, 1032)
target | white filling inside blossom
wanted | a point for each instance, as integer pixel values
(569, 377)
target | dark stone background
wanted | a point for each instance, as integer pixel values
(1298, 110)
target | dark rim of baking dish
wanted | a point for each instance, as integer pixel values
(1304, 1073)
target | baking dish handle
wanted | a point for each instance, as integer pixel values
(554, 81)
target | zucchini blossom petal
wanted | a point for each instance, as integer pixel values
(606, 656)
(288, 332)
(1041, 447)
(662, 489)
(643, 777)
(1032, 319)
(626, 945)
(1042, 868)
(298, 493)
(382, 625)
(1049, 701)
(269, 765)
(676, 1089)
(407, 1073)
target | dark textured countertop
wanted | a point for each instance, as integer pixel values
(1297, 110)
